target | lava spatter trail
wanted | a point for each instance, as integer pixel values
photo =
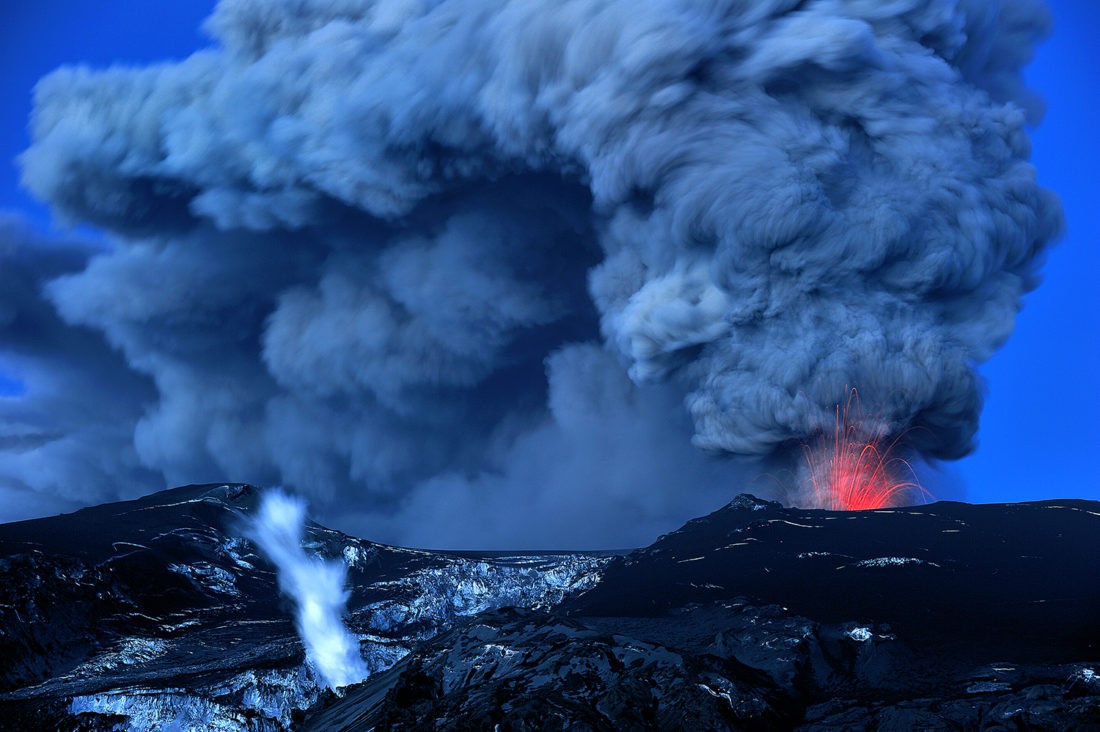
(856, 466)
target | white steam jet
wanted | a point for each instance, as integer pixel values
(315, 585)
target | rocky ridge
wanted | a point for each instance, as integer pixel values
(154, 614)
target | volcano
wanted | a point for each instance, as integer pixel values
(156, 614)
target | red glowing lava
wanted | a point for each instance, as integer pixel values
(855, 469)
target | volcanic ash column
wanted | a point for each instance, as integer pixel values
(316, 586)
(512, 260)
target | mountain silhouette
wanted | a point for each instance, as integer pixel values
(156, 614)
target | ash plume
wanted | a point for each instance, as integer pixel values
(564, 270)
(68, 441)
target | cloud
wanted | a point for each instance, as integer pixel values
(66, 440)
(402, 257)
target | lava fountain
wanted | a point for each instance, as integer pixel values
(855, 466)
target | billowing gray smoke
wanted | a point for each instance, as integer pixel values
(70, 440)
(458, 267)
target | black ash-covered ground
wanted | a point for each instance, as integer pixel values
(153, 613)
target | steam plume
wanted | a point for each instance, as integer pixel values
(474, 258)
(316, 586)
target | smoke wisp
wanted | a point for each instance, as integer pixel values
(315, 585)
(491, 273)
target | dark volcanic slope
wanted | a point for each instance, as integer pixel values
(946, 616)
(74, 585)
(1024, 574)
(156, 614)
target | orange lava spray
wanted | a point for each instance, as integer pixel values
(854, 469)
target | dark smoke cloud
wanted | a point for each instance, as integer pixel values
(70, 442)
(458, 267)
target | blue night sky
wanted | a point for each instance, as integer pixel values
(1040, 428)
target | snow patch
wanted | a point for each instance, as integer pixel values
(254, 700)
(208, 576)
(128, 652)
(355, 555)
(893, 562)
(860, 634)
(463, 588)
